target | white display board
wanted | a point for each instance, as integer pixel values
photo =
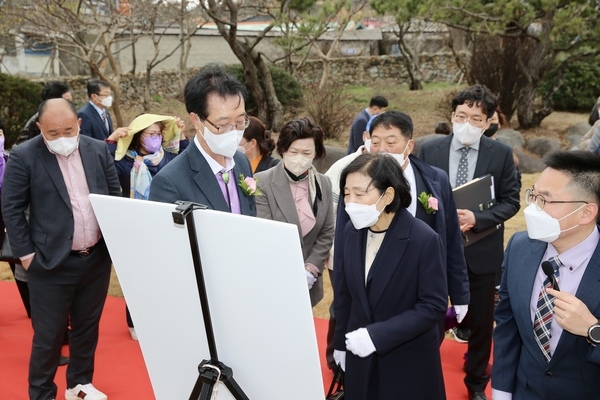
(257, 293)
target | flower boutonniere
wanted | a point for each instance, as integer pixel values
(429, 203)
(248, 185)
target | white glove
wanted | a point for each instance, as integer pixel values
(340, 358)
(359, 342)
(310, 279)
(461, 312)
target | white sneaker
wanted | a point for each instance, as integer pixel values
(85, 392)
(133, 334)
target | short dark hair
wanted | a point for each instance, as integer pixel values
(302, 128)
(478, 95)
(583, 167)
(2, 126)
(42, 108)
(394, 119)
(256, 130)
(443, 128)
(212, 78)
(95, 85)
(384, 172)
(54, 90)
(378, 101)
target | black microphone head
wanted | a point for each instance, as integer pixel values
(548, 268)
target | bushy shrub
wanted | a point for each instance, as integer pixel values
(19, 100)
(287, 88)
(580, 86)
(330, 108)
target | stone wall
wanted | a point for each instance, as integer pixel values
(162, 83)
(369, 70)
(354, 71)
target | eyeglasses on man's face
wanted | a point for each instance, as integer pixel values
(475, 120)
(230, 127)
(540, 202)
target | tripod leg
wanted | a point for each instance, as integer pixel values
(235, 389)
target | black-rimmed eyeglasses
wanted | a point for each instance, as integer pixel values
(229, 127)
(540, 202)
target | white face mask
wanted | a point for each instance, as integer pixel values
(225, 144)
(107, 101)
(362, 215)
(63, 146)
(297, 164)
(542, 226)
(400, 157)
(465, 133)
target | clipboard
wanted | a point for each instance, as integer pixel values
(476, 195)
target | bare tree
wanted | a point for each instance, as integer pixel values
(225, 14)
(335, 16)
(404, 12)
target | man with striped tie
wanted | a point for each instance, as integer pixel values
(546, 341)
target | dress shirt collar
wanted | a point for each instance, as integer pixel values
(99, 110)
(578, 255)
(455, 145)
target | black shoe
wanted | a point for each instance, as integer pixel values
(63, 360)
(477, 396)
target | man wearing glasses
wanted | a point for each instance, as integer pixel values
(546, 341)
(465, 155)
(95, 118)
(209, 170)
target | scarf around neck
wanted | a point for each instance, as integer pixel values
(140, 176)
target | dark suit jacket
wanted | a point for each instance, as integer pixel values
(573, 373)
(359, 125)
(33, 179)
(401, 305)
(189, 177)
(266, 163)
(494, 158)
(433, 181)
(276, 203)
(92, 124)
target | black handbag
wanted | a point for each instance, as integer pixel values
(6, 254)
(336, 390)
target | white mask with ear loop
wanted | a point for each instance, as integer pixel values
(63, 146)
(465, 133)
(542, 226)
(400, 157)
(362, 215)
(225, 144)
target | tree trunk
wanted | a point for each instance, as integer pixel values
(274, 105)
(528, 115)
(411, 61)
(534, 66)
(326, 72)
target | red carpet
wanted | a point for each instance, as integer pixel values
(120, 370)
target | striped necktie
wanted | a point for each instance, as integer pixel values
(543, 314)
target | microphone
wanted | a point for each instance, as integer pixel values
(549, 271)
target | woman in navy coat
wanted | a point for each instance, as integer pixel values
(391, 292)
